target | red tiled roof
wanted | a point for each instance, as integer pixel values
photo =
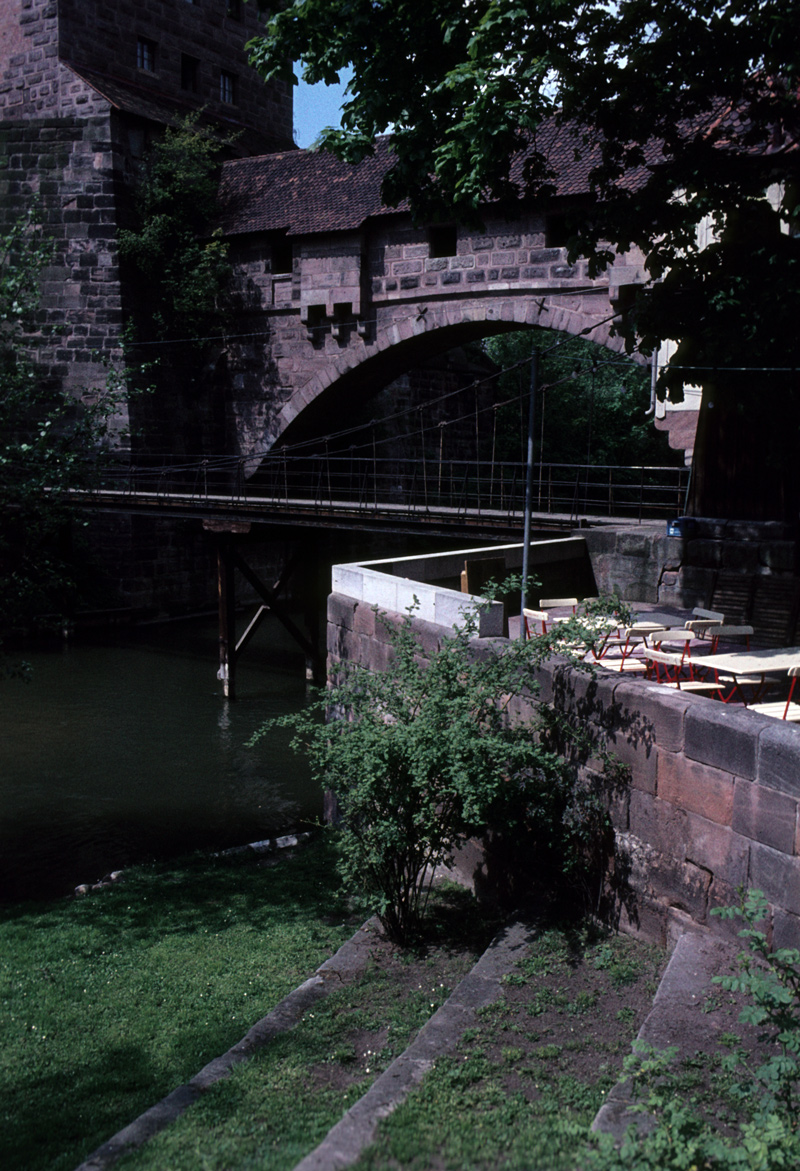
(302, 192)
(305, 192)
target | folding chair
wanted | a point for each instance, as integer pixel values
(703, 620)
(723, 633)
(667, 670)
(781, 709)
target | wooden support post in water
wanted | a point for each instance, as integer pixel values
(226, 598)
(226, 594)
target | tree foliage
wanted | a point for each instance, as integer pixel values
(180, 267)
(590, 405)
(677, 111)
(677, 120)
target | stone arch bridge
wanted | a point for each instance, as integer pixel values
(339, 295)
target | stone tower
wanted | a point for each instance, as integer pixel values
(84, 84)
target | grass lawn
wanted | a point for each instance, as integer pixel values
(523, 1087)
(111, 1001)
(520, 1092)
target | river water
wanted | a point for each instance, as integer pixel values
(123, 749)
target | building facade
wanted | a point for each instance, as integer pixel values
(84, 86)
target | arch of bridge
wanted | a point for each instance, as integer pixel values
(412, 333)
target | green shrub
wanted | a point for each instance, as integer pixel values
(425, 755)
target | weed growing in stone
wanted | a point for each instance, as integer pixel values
(723, 1111)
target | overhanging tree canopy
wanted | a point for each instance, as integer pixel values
(681, 112)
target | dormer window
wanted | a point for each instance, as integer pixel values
(146, 55)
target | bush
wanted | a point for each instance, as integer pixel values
(426, 755)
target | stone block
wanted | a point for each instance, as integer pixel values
(779, 756)
(649, 713)
(718, 849)
(341, 610)
(644, 918)
(777, 875)
(764, 815)
(429, 636)
(778, 556)
(638, 755)
(674, 883)
(706, 554)
(697, 788)
(364, 620)
(723, 736)
(659, 824)
(342, 643)
(373, 655)
(546, 255)
(786, 929)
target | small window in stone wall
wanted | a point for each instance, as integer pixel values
(282, 257)
(557, 230)
(235, 9)
(442, 240)
(190, 73)
(146, 55)
(227, 87)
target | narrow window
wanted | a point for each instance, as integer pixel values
(190, 72)
(227, 87)
(281, 256)
(146, 54)
(235, 9)
(442, 240)
(557, 230)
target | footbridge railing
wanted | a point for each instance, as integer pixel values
(343, 482)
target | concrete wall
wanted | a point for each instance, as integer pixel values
(713, 793)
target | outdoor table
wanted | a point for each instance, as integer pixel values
(749, 667)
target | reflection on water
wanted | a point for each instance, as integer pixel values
(126, 750)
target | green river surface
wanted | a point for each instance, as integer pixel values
(122, 748)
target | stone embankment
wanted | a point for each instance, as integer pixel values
(712, 794)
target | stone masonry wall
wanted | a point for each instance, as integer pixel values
(44, 42)
(713, 793)
(358, 307)
(67, 164)
(746, 571)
